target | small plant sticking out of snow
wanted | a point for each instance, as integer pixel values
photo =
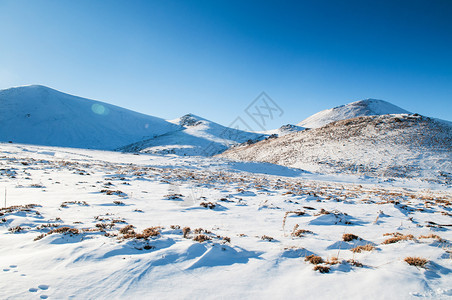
(209, 205)
(322, 269)
(359, 249)
(186, 231)
(348, 237)
(314, 259)
(117, 202)
(355, 263)
(416, 261)
(322, 212)
(300, 232)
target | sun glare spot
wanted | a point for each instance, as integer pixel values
(99, 109)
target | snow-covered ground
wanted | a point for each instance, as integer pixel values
(88, 224)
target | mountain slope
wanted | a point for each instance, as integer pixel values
(199, 137)
(384, 146)
(43, 116)
(368, 107)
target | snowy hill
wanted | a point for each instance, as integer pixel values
(43, 116)
(285, 129)
(404, 146)
(199, 137)
(368, 107)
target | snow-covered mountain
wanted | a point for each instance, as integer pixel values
(405, 145)
(368, 107)
(43, 116)
(198, 137)
(285, 129)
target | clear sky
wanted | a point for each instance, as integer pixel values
(212, 58)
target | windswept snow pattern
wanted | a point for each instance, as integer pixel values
(368, 107)
(86, 224)
(43, 116)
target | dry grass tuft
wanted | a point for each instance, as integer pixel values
(355, 263)
(209, 205)
(397, 238)
(359, 249)
(267, 238)
(201, 238)
(348, 237)
(432, 236)
(128, 229)
(322, 269)
(416, 261)
(300, 232)
(64, 230)
(314, 259)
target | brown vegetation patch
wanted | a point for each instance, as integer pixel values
(416, 261)
(314, 259)
(359, 249)
(322, 269)
(348, 237)
(201, 238)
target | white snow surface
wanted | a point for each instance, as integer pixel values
(261, 208)
(199, 137)
(43, 116)
(368, 107)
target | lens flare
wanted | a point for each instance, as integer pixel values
(99, 109)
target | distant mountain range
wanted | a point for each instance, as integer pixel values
(371, 137)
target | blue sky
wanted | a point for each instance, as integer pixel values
(213, 58)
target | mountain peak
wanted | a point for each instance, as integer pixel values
(366, 107)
